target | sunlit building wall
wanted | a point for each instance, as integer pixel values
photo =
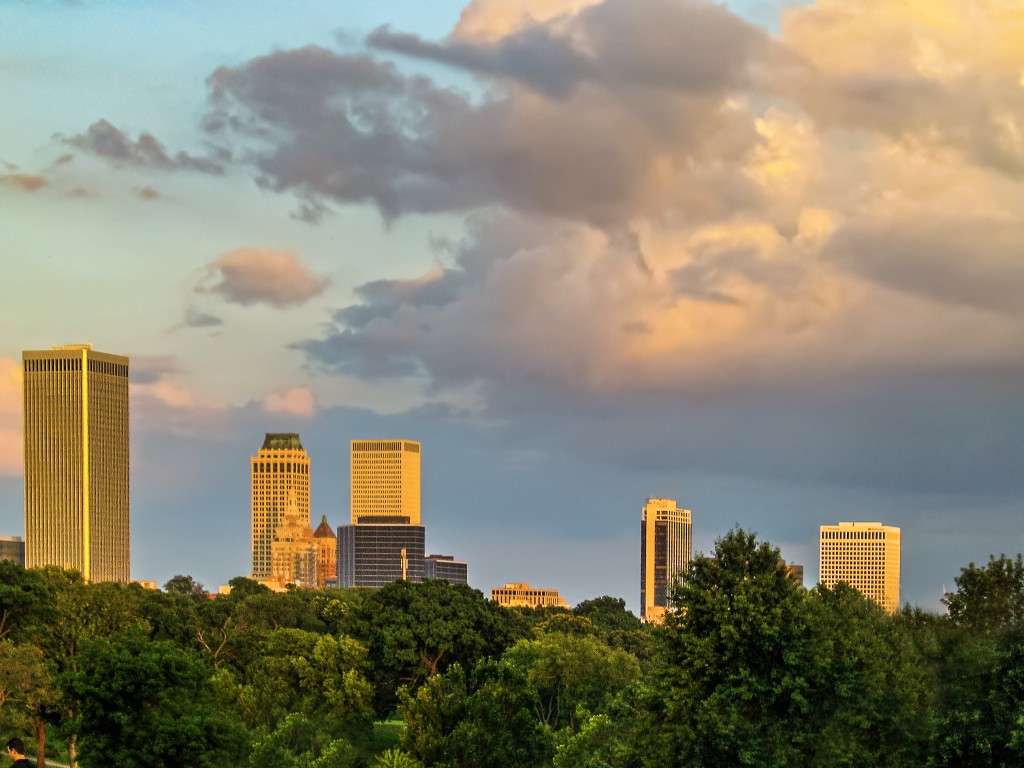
(864, 555)
(518, 595)
(280, 469)
(666, 546)
(76, 461)
(385, 481)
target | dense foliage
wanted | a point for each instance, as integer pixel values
(750, 669)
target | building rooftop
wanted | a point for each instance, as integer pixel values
(324, 530)
(282, 441)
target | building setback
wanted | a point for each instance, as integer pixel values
(445, 567)
(864, 555)
(666, 546)
(375, 554)
(280, 472)
(76, 461)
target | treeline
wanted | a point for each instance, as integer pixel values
(749, 670)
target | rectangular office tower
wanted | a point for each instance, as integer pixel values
(385, 481)
(280, 476)
(372, 555)
(76, 461)
(864, 555)
(666, 544)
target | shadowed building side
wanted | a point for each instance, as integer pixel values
(76, 461)
(372, 554)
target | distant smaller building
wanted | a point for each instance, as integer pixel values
(146, 583)
(524, 596)
(445, 567)
(796, 573)
(12, 549)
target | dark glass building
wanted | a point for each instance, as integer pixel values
(445, 567)
(375, 554)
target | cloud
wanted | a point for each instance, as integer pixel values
(196, 318)
(250, 276)
(147, 193)
(107, 141)
(578, 125)
(494, 19)
(12, 450)
(161, 405)
(22, 181)
(294, 401)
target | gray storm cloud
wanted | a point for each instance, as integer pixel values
(105, 140)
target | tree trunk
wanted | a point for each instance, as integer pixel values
(40, 732)
(72, 752)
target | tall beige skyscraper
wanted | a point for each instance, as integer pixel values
(864, 555)
(385, 482)
(280, 475)
(76, 461)
(666, 545)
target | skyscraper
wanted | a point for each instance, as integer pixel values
(385, 481)
(445, 567)
(76, 461)
(280, 469)
(385, 539)
(293, 552)
(666, 543)
(864, 555)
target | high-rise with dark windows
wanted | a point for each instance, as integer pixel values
(666, 544)
(76, 461)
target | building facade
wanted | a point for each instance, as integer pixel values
(293, 551)
(280, 470)
(666, 546)
(517, 595)
(12, 550)
(326, 554)
(864, 555)
(76, 461)
(445, 567)
(385, 482)
(375, 554)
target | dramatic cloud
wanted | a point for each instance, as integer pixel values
(295, 401)
(261, 276)
(495, 19)
(12, 452)
(107, 141)
(582, 126)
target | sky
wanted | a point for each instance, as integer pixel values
(764, 258)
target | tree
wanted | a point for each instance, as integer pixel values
(571, 675)
(184, 585)
(414, 631)
(139, 703)
(26, 601)
(734, 685)
(988, 599)
(608, 613)
(26, 691)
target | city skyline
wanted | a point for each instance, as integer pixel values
(765, 261)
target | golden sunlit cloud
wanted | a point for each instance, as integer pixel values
(11, 448)
(294, 401)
